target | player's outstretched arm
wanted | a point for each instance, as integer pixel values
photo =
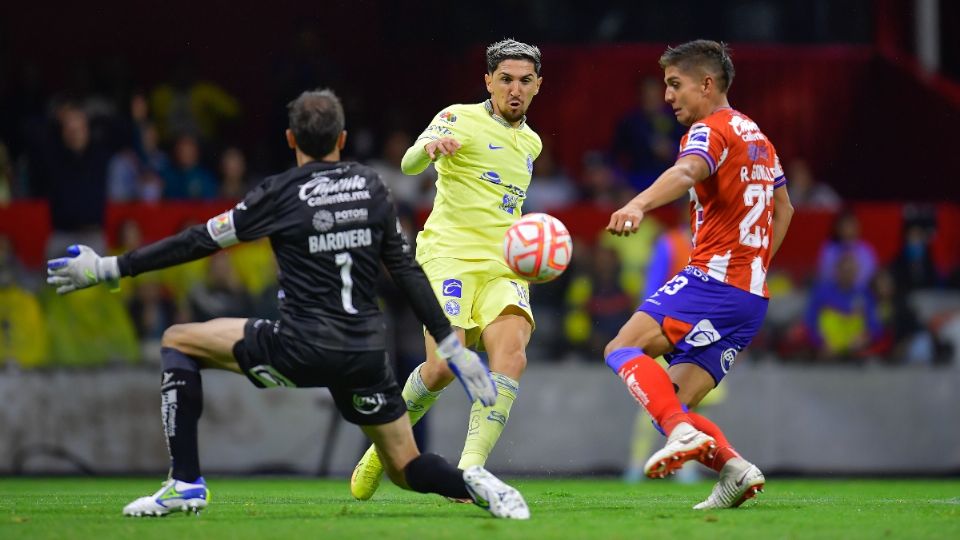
(421, 154)
(670, 186)
(469, 370)
(82, 268)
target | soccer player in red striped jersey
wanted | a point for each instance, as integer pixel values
(711, 310)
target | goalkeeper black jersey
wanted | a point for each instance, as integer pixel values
(330, 225)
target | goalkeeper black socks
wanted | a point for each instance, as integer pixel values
(430, 473)
(181, 396)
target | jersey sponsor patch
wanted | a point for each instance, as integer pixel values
(727, 358)
(448, 117)
(270, 377)
(222, 229)
(509, 203)
(757, 151)
(368, 405)
(323, 220)
(439, 130)
(522, 294)
(453, 287)
(491, 176)
(698, 139)
(702, 334)
(351, 215)
(321, 190)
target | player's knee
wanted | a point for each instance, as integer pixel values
(436, 374)
(615, 345)
(174, 336)
(609, 349)
(511, 364)
(616, 356)
(518, 360)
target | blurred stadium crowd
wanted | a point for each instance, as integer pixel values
(106, 138)
(168, 144)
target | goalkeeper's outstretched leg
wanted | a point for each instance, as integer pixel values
(430, 473)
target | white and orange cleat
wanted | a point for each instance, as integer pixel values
(739, 482)
(685, 443)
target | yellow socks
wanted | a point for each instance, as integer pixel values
(417, 397)
(487, 423)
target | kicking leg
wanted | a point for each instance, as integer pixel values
(505, 340)
(185, 350)
(631, 356)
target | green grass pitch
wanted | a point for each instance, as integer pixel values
(262, 508)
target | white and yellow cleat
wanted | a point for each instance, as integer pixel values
(173, 495)
(739, 482)
(366, 475)
(684, 443)
(494, 496)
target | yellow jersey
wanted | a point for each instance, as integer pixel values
(480, 188)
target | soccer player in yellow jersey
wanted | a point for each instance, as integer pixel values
(484, 156)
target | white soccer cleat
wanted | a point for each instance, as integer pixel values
(683, 444)
(493, 495)
(174, 495)
(739, 482)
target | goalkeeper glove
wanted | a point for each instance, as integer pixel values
(469, 370)
(83, 268)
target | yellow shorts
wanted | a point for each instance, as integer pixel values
(475, 292)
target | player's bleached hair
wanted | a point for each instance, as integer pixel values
(316, 120)
(705, 54)
(509, 49)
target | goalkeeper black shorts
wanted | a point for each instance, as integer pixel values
(362, 382)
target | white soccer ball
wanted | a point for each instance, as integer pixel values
(537, 247)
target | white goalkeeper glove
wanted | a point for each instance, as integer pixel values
(83, 268)
(469, 369)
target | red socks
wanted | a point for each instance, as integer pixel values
(651, 387)
(724, 451)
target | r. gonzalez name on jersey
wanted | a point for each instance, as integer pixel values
(732, 210)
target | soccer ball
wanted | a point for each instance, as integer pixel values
(537, 247)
